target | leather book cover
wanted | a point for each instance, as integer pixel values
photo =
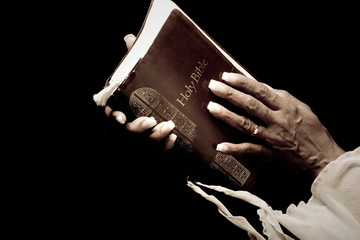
(171, 83)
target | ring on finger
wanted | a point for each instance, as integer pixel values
(256, 130)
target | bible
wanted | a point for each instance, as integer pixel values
(166, 75)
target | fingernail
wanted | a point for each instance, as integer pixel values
(213, 107)
(129, 37)
(172, 137)
(170, 142)
(168, 126)
(120, 119)
(221, 147)
(148, 123)
(226, 76)
(213, 84)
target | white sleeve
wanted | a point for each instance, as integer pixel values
(333, 211)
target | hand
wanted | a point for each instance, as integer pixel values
(290, 132)
(159, 131)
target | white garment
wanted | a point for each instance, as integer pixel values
(332, 212)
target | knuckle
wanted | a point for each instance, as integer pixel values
(246, 124)
(292, 109)
(265, 94)
(262, 91)
(283, 93)
(252, 104)
(305, 106)
(289, 110)
(243, 124)
(230, 93)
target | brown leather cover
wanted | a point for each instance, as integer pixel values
(171, 83)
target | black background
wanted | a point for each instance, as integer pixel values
(92, 178)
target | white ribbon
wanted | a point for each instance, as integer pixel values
(271, 226)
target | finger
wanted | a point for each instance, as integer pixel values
(245, 149)
(141, 124)
(129, 40)
(244, 101)
(161, 130)
(260, 91)
(170, 142)
(117, 115)
(286, 95)
(238, 122)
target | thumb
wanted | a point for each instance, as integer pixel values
(129, 40)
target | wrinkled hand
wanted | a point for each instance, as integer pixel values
(159, 131)
(290, 132)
